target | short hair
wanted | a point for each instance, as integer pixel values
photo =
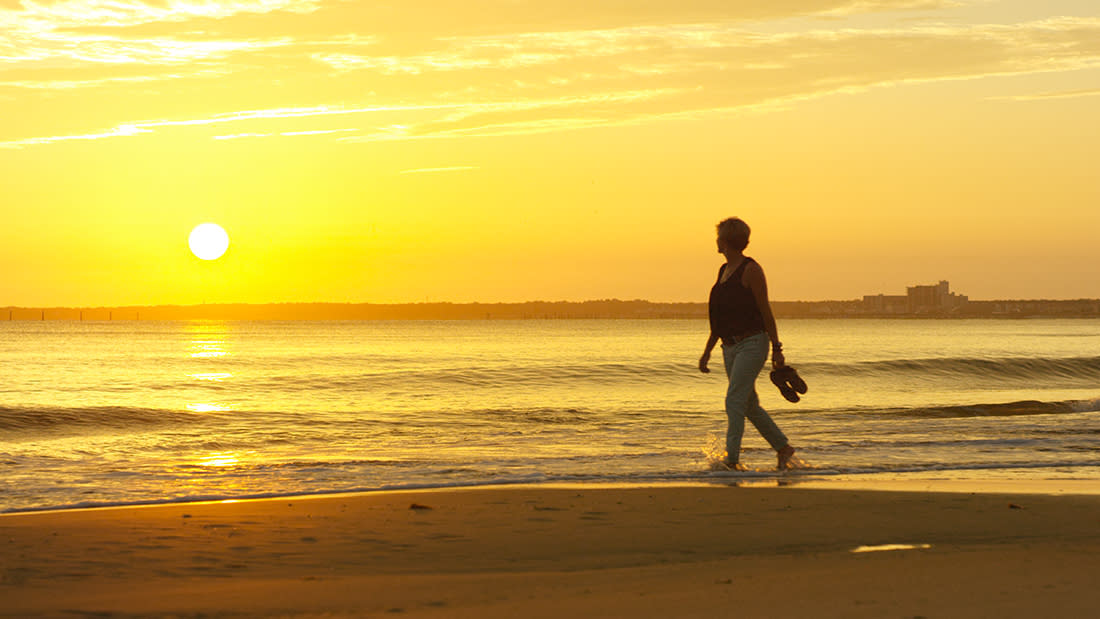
(734, 233)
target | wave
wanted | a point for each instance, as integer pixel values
(1001, 409)
(566, 375)
(346, 377)
(90, 419)
(1014, 368)
(30, 418)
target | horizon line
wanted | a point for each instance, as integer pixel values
(528, 302)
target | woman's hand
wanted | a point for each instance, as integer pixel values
(703, 362)
(777, 359)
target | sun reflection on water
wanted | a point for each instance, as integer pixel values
(205, 407)
(212, 376)
(208, 349)
(227, 458)
(207, 339)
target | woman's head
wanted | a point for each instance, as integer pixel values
(733, 235)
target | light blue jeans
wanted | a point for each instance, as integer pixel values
(744, 360)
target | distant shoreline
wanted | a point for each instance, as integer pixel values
(535, 310)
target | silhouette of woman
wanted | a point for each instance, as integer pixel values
(741, 317)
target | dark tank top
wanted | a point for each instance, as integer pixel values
(732, 306)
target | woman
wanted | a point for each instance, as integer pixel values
(741, 316)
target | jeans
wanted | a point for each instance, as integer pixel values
(744, 360)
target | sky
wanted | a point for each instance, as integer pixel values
(512, 150)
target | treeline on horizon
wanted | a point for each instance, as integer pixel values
(532, 310)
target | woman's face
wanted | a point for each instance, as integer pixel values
(721, 246)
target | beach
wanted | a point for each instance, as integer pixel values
(552, 551)
(331, 308)
(240, 469)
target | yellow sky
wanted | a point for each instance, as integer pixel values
(509, 150)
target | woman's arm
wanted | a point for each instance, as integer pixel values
(711, 341)
(755, 281)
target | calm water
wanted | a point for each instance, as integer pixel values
(126, 412)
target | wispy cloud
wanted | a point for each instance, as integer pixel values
(443, 113)
(1043, 96)
(120, 131)
(75, 50)
(565, 75)
(120, 13)
(873, 6)
(177, 31)
(56, 84)
(49, 34)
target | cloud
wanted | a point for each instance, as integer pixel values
(44, 34)
(533, 81)
(1043, 96)
(425, 19)
(447, 114)
(122, 13)
(120, 131)
(708, 69)
(72, 84)
(874, 6)
(71, 32)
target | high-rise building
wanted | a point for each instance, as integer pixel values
(919, 299)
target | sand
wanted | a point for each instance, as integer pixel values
(563, 552)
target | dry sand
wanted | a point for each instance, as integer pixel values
(563, 552)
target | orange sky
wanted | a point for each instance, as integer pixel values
(502, 150)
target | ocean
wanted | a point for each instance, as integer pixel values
(119, 413)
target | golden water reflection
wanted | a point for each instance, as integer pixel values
(208, 407)
(207, 339)
(225, 458)
(206, 349)
(212, 376)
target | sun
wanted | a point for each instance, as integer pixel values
(208, 241)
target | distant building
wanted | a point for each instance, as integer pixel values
(936, 298)
(886, 304)
(933, 299)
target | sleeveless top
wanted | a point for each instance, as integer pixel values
(732, 306)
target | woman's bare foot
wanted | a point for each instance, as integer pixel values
(726, 465)
(785, 456)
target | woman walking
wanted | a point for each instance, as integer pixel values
(741, 317)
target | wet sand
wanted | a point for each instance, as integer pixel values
(554, 552)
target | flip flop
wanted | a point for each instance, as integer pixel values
(779, 377)
(788, 381)
(795, 381)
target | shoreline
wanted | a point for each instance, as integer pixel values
(544, 552)
(875, 483)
